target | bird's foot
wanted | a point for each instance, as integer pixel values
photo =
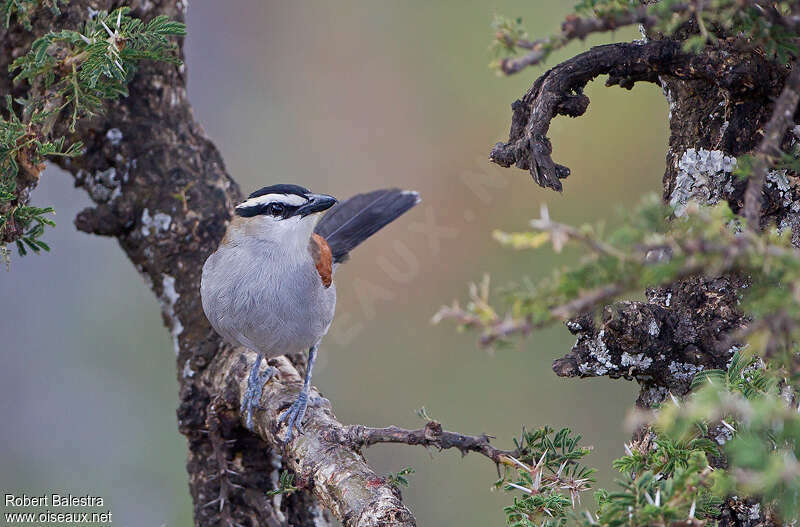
(293, 416)
(255, 386)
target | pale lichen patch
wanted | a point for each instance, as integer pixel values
(639, 361)
(702, 176)
(599, 351)
(169, 299)
(685, 371)
(157, 223)
(114, 136)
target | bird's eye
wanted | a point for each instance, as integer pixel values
(276, 209)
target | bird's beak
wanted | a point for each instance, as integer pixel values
(316, 203)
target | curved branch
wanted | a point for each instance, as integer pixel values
(559, 91)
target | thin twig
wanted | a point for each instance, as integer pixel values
(431, 435)
(578, 28)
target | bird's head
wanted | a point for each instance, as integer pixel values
(282, 213)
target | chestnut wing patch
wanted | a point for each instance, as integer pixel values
(323, 258)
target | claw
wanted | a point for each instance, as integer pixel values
(295, 413)
(294, 416)
(255, 386)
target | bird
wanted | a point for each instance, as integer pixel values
(269, 285)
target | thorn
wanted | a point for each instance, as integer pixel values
(541, 461)
(520, 487)
(110, 33)
(119, 18)
(524, 467)
(648, 498)
(675, 400)
(691, 510)
(212, 502)
(658, 498)
(537, 480)
(726, 425)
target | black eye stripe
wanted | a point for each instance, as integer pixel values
(265, 210)
(287, 211)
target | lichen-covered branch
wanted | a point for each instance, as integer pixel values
(334, 470)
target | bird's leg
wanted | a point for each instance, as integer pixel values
(294, 414)
(255, 385)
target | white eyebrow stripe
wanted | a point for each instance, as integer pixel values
(288, 199)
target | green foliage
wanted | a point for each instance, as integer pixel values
(68, 71)
(80, 69)
(285, 485)
(509, 34)
(23, 10)
(549, 474)
(668, 456)
(757, 409)
(20, 144)
(649, 498)
(600, 8)
(399, 479)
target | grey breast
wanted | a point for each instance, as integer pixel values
(269, 302)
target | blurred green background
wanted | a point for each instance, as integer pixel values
(341, 97)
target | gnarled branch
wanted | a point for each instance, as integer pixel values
(559, 91)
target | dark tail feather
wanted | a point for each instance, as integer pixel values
(349, 223)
